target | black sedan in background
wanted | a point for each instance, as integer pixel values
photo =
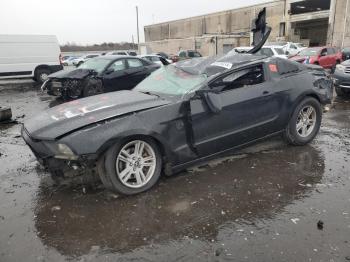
(99, 75)
(346, 53)
(182, 114)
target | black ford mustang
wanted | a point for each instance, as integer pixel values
(181, 114)
(99, 75)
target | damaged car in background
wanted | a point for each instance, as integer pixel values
(99, 75)
(183, 114)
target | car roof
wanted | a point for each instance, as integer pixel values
(272, 46)
(218, 64)
(114, 57)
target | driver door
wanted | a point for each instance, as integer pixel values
(115, 76)
(249, 110)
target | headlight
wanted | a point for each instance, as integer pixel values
(61, 151)
(340, 68)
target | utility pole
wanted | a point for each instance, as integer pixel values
(137, 22)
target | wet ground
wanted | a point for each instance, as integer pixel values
(269, 202)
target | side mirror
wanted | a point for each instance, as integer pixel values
(287, 52)
(212, 99)
(109, 71)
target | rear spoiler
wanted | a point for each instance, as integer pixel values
(261, 32)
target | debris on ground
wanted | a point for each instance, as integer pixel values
(320, 225)
(295, 220)
(5, 113)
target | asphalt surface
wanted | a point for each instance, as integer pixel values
(269, 202)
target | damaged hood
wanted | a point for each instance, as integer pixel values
(72, 74)
(68, 117)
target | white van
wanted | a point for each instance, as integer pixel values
(34, 56)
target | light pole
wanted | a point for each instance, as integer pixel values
(137, 23)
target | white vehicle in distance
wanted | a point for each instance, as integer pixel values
(80, 60)
(123, 52)
(272, 50)
(290, 48)
(68, 61)
(276, 51)
(29, 56)
(157, 59)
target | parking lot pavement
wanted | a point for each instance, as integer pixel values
(270, 202)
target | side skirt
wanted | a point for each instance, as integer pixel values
(178, 168)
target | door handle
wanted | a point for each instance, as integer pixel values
(266, 92)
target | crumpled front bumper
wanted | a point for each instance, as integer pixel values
(53, 87)
(46, 158)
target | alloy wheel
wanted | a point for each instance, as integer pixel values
(136, 164)
(306, 121)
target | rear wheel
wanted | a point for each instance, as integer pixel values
(304, 123)
(131, 167)
(41, 75)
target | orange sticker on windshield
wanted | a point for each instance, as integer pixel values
(273, 68)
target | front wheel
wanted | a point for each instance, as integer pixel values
(93, 87)
(41, 75)
(132, 167)
(304, 123)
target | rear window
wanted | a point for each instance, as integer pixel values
(193, 54)
(285, 66)
(133, 53)
(279, 51)
(265, 51)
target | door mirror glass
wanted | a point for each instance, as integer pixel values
(212, 99)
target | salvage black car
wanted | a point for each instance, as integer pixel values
(181, 115)
(99, 75)
(342, 78)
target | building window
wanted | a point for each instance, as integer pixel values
(282, 29)
(198, 45)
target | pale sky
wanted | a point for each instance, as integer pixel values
(92, 21)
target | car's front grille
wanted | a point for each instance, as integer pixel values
(347, 70)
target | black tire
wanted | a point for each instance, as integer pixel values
(291, 134)
(108, 171)
(41, 75)
(93, 87)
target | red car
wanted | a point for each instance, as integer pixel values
(327, 57)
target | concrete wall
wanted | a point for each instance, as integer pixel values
(206, 45)
(227, 22)
(339, 23)
(232, 27)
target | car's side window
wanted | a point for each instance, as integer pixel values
(266, 51)
(182, 54)
(155, 59)
(240, 79)
(324, 52)
(118, 65)
(330, 51)
(133, 63)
